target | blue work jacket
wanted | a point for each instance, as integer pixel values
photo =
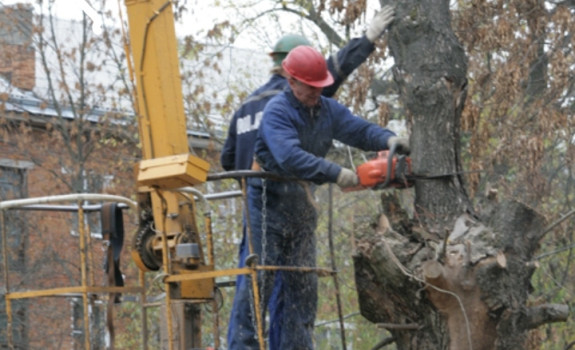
(293, 139)
(237, 152)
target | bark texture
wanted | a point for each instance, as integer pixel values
(443, 274)
(469, 291)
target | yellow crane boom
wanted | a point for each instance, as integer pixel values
(168, 236)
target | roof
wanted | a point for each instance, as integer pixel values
(239, 70)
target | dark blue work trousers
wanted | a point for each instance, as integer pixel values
(285, 238)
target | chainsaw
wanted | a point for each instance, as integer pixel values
(384, 171)
(389, 170)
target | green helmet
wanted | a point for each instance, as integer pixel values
(285, 45)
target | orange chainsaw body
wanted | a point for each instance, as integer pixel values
(375, 172)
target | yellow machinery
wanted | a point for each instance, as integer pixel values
(168, 236)
(167, 164)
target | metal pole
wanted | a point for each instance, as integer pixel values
(333, 267)
(143, 309)
(168, 271)
(83, 269)
(6, 286)
(254, 273)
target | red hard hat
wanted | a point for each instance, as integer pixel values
(307, 65)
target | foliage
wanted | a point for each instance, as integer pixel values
(517, 117)
(516, 126)
(517, 121)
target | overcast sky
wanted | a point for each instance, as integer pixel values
(72, 9)
(201, 15)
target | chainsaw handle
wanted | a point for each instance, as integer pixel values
(389, 165)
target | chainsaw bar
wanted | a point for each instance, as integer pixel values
(388, 170)
(439, 176)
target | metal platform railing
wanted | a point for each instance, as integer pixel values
(87, 287)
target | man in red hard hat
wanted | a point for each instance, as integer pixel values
(297, 130)
(237, 152)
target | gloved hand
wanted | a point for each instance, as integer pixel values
(347, 178)
(379, 24)
(401, 144)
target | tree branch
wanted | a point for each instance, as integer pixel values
(397, 326)
(326, 29)
(332, 36)
(383, 343)
(546, 313)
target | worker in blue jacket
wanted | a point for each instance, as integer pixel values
(295, 134)
(237, 152)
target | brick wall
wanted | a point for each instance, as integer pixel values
(17, 56)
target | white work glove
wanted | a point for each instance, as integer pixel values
(401, 144)
(379, 24)
(347, 178)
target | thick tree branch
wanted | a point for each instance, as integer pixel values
(311, 15)
(546, 313)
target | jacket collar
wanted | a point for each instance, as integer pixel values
(299, 106)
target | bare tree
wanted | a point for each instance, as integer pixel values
(485, 86)
(67, 125)
(455, 275)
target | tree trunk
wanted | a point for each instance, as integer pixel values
(441, 275)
